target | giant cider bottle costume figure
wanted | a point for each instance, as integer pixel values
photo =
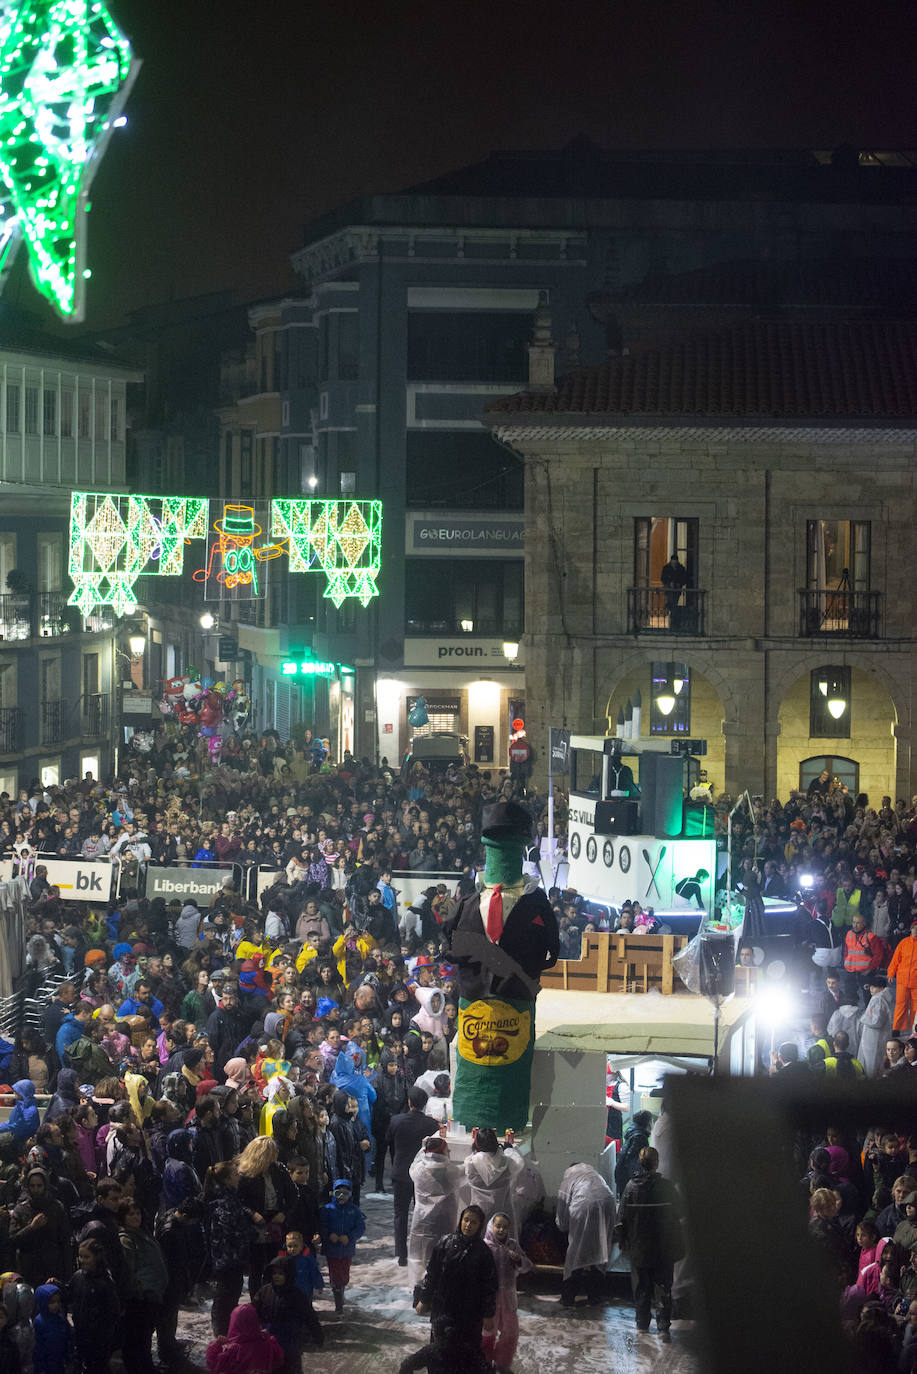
(502, 939)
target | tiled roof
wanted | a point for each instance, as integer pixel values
(876, 284)
(860, 370)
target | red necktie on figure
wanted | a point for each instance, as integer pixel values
(495, 913)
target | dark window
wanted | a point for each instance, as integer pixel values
(277, 483)
(49, 413)
(348, 345)
(31, 410)
(245, 463)
(829, 703)
(463, 471)
(281, 339)
(476, 345)
(454, 596)
(227, 461)
(324, 346)
(670, 699)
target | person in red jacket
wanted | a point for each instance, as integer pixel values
(903, 968)
(864, 952)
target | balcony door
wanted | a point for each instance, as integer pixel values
(657, 537)
(837, 576)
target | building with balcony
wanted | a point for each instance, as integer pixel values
(775, 456)
(63, 411)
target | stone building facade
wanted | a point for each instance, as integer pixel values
(778, 456)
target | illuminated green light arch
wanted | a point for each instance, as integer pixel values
(65, 74)
(342, 538)
(117, 537)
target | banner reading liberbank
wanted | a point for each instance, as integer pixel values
(184, 882)
(440, 532)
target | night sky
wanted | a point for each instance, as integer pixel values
(248, 120)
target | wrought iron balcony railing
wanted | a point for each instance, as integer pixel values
(854, 615)
(667, 610)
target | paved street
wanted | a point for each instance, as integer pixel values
(379, 1328)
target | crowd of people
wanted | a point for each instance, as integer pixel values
(215, 1083)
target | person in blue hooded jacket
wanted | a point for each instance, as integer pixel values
(341, 1224)
(143, 1003)
(72, 1028)
(53, 1335)
(348, 1075)
(23, 1122)
(180, 1182)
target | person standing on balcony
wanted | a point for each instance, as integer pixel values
(674, 579)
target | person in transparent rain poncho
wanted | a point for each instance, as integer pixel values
(586, 1213)
(492, 1175)
(439, 1194)
(511, 1260)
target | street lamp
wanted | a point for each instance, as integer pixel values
(510, 650)
(207, 621)
(665, 701)
(670, 688)
(137, 645)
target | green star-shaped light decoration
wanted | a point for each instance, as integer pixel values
(65, 73)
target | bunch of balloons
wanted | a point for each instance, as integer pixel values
(215, 707)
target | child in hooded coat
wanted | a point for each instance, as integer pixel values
(247, 1349)
(511, 1260)
(23, 1119)
(287, 1311)
(180, 1182)
(342, 1225)
(53, 1337)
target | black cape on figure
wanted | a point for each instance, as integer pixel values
(530, 937)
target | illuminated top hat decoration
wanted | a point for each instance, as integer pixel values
(238, 523)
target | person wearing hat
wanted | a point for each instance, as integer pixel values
(502, 939)
(903, 970)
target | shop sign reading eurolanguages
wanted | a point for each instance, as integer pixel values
(439, 533)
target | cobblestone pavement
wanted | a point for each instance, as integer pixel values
(379, 1327)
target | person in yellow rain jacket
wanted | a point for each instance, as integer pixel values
(903, 968)
(350, 942)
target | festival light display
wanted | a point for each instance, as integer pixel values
(116, 538)
(342, 538)
(236, 560)
(65, 74)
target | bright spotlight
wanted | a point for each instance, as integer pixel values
(774, 1005)
(806, 880)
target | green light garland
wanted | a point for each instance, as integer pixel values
(114, 539)
(341, 538)
(65, 73)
